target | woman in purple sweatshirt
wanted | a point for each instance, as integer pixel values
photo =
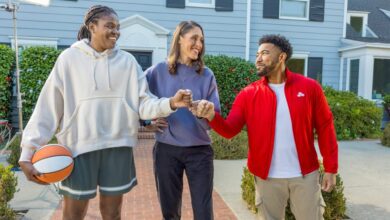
(182, 140)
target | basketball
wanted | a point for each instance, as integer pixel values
(54, 162)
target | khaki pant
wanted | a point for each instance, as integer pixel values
(306, 201)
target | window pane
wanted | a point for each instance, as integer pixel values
(297, 65)
(354, 76)
(200, 1)
(357, 24)
(381, 81)
(293, 8)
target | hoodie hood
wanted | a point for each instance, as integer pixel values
(98, 59)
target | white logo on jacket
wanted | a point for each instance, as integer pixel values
(300, 94)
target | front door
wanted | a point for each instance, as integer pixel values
(143, 58)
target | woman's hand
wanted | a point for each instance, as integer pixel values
(157, 125)
(30, 172)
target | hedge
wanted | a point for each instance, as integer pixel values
(6, 65)
(8, 183)
(230, 149)
(36, 65)
(354, 117)
(232, 74)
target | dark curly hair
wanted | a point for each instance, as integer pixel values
(279, 41)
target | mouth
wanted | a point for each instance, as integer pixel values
(114, 39)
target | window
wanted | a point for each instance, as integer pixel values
(357, 24)
(24, 42)
(295, 9)
(381, 78)
(298, 63)
(358, 21)
(354, 75)
(201, 3)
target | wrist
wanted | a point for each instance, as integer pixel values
(172, 104)
(211, 116)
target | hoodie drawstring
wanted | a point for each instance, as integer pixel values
(94, 75)
(108, 73)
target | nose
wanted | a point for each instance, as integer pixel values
(258, 59)
(199, 44)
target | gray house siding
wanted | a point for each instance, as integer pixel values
(225, 32)
(319, 39)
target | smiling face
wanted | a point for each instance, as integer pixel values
(268, 59)
(191, 45)
(104, 32)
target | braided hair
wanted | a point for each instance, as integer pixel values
(93, 14)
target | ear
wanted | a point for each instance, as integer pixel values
(92, 27)
(283, 57)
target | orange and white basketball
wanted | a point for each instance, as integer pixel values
(54, 162)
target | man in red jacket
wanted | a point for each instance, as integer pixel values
(281, 111)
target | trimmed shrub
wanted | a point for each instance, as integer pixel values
(6, 65)
(354, 117)
(35, 67)
(232, 74)
(225, 149)
(8, 183)
(385, 140)
(335, 200)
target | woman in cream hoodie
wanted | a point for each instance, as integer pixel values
(94, 97)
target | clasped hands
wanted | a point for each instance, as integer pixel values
(200, 108)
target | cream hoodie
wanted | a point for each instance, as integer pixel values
(94, 101)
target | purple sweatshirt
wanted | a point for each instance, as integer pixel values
(184, 129)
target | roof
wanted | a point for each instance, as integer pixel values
(378, 20)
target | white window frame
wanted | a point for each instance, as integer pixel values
(25, 42)
(303, 56)
(373, 67)
(200, 5)
(348, 76)
(362, 14)
(295, 18)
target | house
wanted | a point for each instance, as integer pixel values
(232, 27)
(365, 51)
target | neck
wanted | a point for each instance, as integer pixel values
(95, 46)
(278, 76)
(187, 61)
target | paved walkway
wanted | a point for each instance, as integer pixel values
(141, 203)
(364, 168)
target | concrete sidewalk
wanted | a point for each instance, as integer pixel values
(364, 168)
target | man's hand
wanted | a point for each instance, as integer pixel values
(203, 109)
(157, 125)
(182, 98)
(30, 172)
(328, 182)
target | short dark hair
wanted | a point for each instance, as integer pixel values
(279, 41)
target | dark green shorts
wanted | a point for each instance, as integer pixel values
(111, 169)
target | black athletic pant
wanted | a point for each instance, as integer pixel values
(170, 162)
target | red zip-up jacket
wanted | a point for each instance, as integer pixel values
(255, 107)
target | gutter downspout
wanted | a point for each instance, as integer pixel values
(341, 53)
(248, 29)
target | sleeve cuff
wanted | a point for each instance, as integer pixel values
(167, 107)
(26, 154)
